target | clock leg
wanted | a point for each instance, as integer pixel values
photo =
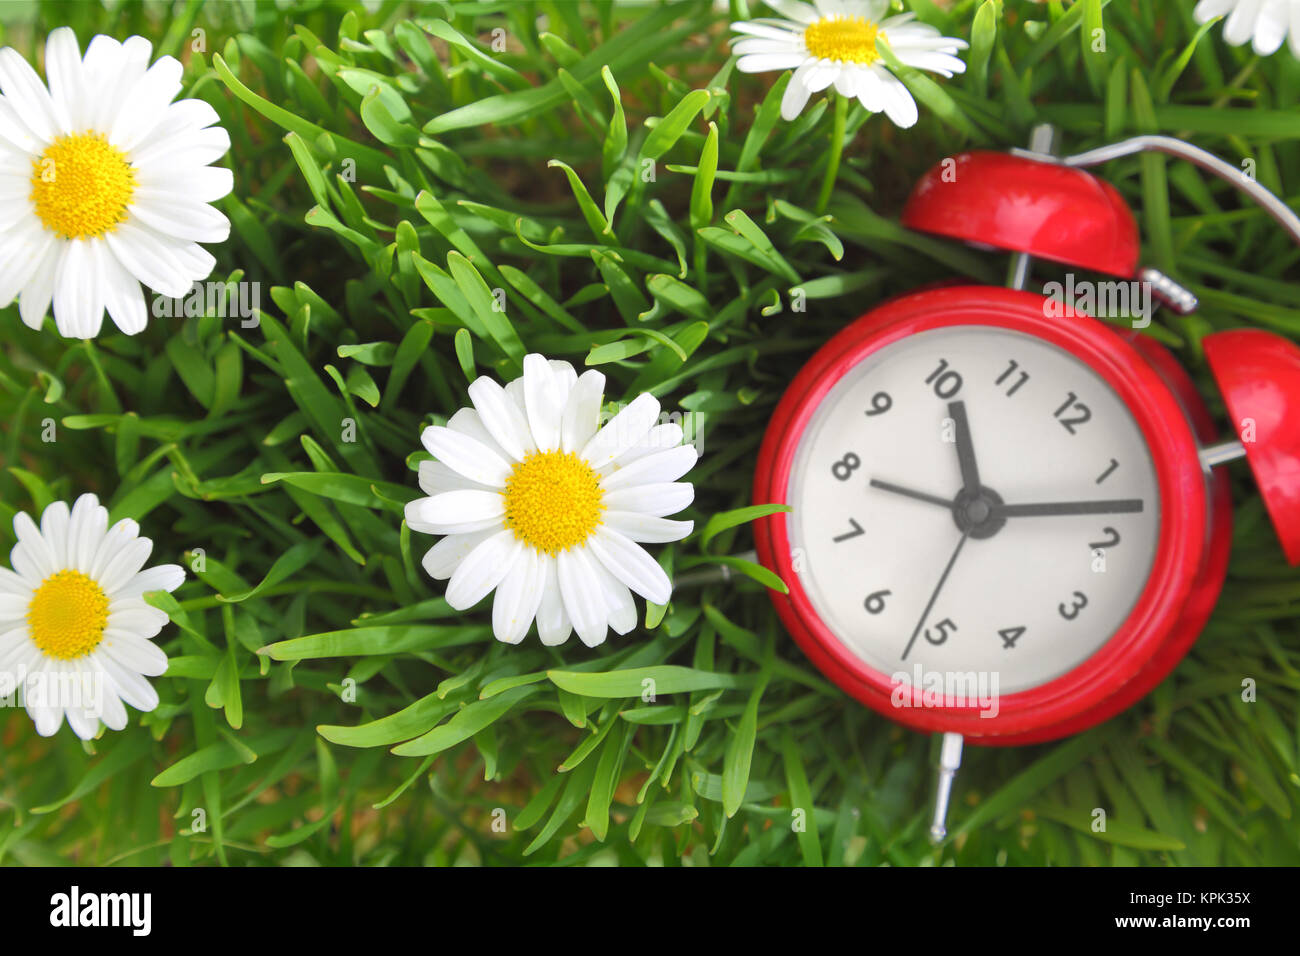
(949, 764)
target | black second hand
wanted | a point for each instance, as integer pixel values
(935, 596)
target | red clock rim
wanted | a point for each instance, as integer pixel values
(1066, 699)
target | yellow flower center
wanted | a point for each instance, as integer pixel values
(851, 39)
(81, 186)
(67, 616)
(553, 501)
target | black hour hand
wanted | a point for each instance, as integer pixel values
(970, 473)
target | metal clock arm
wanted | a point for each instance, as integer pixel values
(1273, 205)
(1278, 210)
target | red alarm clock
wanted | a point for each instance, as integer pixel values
(1006, 525)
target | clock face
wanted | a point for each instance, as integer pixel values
(973, 500)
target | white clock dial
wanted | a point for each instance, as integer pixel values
(1052, 540)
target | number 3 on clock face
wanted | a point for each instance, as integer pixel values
(1031, 599)
(979, 492)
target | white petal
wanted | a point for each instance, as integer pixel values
(36, 296)
(112, 712)
(54, 529)
(762, 62)
(183, 150)
(78, 291)
(82, 723)
(194, 184)
(630, 563)
(846, 84)
(435, 478)
(623, 431)
(564, 377)
(15, 134)
(131, 686)
(181, 219)
(902, 20)
(18, 654)
(64, 75)
(32, 549)
(619, 605)
(23, 251)
(483, 570)
(11, 583)
(466, 456)
(13, 608)
(179, 120)
(1271, 27)
(87, 527)
(645, 528)
(163, 577)
(659, 466)
(794, 10)
(660, 438)
(113, 541)
(467, 422)
(750, 45)
(161, 264)
(584, 598)
(146, 103)
(125, 565)
(543, 403)
(582, 411)
(123, 296)
(821, 75)
(111, 69)
(935, 62)
(502, 417)
(899, 105)
(786, 33)
(871, 91)
(796, 93)
(455, 512)
(657, 500)
(553, 624)
(47, 719)
(136, 617)
(25, 92)
(518, 597)
(142, 656)
(1209, 9)
(15, 191)
(1240, 24)
(442, 560)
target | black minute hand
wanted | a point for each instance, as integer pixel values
(1113, 506)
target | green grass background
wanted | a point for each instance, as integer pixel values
(391, 170)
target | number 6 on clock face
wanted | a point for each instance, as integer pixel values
(982, 494)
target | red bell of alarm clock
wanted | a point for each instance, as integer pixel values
(1006, 521)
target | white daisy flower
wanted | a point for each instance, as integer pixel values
(1265, 22)
(834, 42)
(539, 503)
(104, 183)
(75, 632)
